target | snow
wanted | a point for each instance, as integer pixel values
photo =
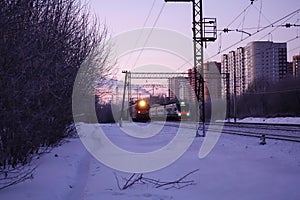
(237, 168)
(276, 120)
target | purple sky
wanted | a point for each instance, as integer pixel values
(124, 15)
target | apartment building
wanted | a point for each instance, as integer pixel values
(257, 61)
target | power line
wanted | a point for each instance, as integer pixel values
(226, 30)
(298, 47)
(262, 29)
(261, 14)
(141, 32)
(239, 15)
(286, 25)
(292, 39)
(149, 13)
(149, 35)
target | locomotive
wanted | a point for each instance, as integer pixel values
(139, 111)
(142, 111)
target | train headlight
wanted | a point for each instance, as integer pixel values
(188, 114)
(142, 103)
(179, 114)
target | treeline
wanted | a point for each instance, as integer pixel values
(264, 99)
(108, 113)
(42, 46)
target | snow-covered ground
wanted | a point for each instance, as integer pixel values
(276, 120)
(237, 168)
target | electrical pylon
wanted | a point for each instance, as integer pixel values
(204, 30)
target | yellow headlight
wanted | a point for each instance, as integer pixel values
(142, 103)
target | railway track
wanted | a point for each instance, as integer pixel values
(285, 132)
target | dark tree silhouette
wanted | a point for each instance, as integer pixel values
(42, 45)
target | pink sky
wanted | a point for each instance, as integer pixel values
(123, 15)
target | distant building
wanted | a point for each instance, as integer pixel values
(192, 82)
(234, 65)
(225, 69)
(213, 81)
(296, 66)
(179, 88)
(266, 60)
(290, 69)
(257, 61)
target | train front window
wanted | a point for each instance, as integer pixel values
(183, 108)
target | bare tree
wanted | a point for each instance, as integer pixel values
(265, 99)
(43, 43)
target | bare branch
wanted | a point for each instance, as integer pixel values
(139, 178)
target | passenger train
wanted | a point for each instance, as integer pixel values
(142, 111)
(172, 112)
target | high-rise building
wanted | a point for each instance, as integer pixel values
(234, 65)
(213, 80)
(296, 66)
(240, 71)
(266, 60)
(225, 70)
(290, 69)
(257, 61)
(192, 81)
(179, 88)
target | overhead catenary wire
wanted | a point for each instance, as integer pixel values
(219, 51)
(242, 25)
(293, 49)
(271, 25)
(243, 30)
(260, 14)
(239, 15)
(150, 33)
(260, 30)
(142, 30)
(298, 19)
(220, 44)
(284, 24)
(292, 39)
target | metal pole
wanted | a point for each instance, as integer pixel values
(234, 91)
(123, 101)
(129, 93)
(199, 37)
(228, 95)
(153, 86)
